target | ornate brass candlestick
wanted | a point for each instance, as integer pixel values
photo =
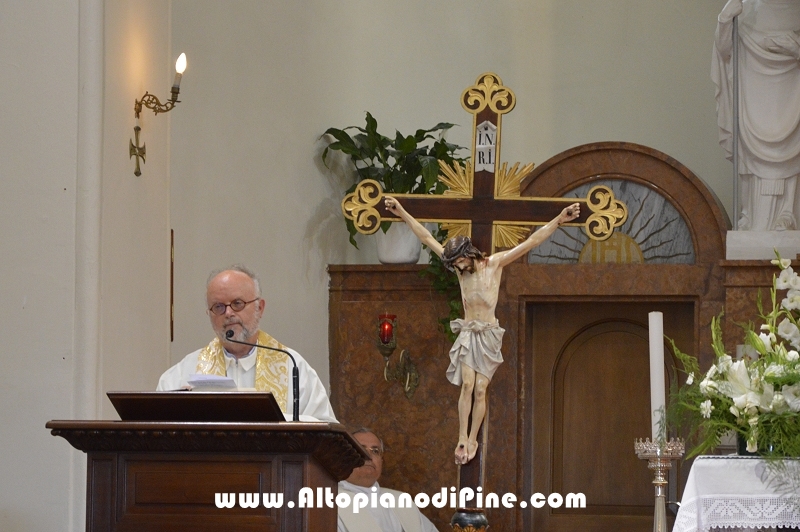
(660, 456)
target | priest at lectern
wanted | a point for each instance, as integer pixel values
(235, 308)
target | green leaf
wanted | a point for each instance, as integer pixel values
(339, 134)
(344, 143)
(404, 145)
(442, 126)
(752, 339)
(372, 125)
(349, 149)
(351, 228)
(716, 335)
(430, 171)
(401, 182)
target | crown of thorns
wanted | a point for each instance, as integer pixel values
(457, 247)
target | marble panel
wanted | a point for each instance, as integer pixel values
(754, 245)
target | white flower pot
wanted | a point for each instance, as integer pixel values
(399, 245)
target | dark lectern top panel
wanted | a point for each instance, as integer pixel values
(196, 406)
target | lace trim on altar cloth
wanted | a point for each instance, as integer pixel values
(735, 512)
(734, 457)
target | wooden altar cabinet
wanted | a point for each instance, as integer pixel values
(163, 476)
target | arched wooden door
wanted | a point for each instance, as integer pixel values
(591, 399)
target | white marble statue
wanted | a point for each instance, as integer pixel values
(769, 105)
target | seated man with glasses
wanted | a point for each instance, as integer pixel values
(364, 480)
(235, 307)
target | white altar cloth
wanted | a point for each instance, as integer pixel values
(737, 492)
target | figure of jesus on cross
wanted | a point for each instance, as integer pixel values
(475, 355)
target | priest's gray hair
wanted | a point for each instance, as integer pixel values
(238, 268)
(367, 430)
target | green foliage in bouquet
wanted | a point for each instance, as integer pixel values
(756, 397)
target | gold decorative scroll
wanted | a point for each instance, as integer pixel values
(488, 91)
(359, 206)
(507, 181)
(607, 213)
(458, 179)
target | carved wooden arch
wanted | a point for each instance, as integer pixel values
(697, 204)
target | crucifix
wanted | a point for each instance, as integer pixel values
(483, 202)
(136, 150)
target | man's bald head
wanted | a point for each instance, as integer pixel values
(241, 269)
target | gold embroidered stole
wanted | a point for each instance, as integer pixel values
(272, 367)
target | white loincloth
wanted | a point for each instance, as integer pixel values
(477, 346)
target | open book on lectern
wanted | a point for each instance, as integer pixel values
(196, 406)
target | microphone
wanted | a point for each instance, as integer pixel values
(295, 373)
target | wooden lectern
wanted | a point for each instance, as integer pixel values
(164, 475)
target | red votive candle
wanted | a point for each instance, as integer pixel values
(386, 331)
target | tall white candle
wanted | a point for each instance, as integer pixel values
(657, 392)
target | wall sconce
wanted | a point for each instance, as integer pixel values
(151, 102)
(404, 372)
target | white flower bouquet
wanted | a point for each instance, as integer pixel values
(756, 396)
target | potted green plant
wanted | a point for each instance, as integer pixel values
(403, 164)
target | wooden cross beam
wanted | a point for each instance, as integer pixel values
(483, 200)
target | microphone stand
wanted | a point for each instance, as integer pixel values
(295, 373)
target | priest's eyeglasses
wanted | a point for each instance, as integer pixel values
(374, 451)
(237, 305)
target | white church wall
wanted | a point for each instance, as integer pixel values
(135, 240)
(51, 248)
(38, 149)
(267, 78)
